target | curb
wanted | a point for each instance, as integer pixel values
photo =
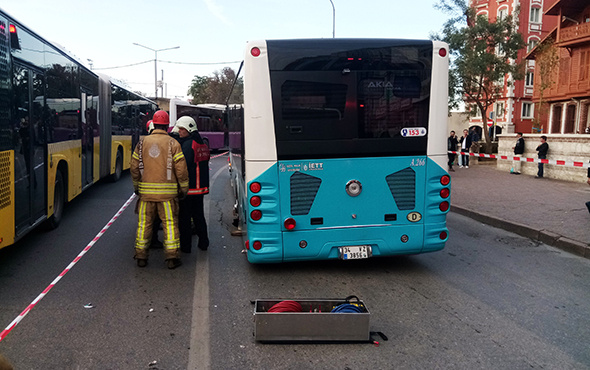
(544, 236)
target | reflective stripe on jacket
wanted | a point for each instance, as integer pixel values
(158, 168)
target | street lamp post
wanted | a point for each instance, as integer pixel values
(333, 19)
(156, 64)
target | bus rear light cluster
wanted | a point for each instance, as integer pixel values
(255, 201)
(444, 206)
(255, 187)
(445, 180)
(256, 215)
(445, 192)
(290, 223)
(443, 235)
(257, 245)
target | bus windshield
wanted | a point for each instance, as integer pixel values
(340, 100)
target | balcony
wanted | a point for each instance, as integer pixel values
(574, 34)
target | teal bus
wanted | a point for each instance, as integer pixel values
(342, 151)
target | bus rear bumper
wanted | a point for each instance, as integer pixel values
(320, 245)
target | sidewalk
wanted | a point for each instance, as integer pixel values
(547, 210)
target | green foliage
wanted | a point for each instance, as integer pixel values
(216, 88)
(546, 62)
(482, 53)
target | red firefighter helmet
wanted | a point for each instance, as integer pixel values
(161, 118)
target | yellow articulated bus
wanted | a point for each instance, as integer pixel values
(62, 128)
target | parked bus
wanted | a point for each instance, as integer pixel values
(343, 153)
(62, 129)
(209, 119)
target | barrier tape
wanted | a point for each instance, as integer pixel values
(525, 159)
(15, 322)
(219, 155)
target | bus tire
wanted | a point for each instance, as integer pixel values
(59, 201)
(118, 167)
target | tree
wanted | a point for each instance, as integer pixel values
(482, 53)
(216, 89)
(546, 60)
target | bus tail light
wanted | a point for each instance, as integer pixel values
(257, 245)
(444, 206)
(445, 192)
(445, 180)
(290, 223)
(255, 52)
(442, 52)
(255, 187)
(255, 201)
(443, 235)
(256, 215)
(247, 245)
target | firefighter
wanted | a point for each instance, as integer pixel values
(160, 176)
(197, 156)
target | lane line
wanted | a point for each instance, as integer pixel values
(200, 344)
(22, 315)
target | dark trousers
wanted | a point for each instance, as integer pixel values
(451, 160)
(192, 207)
(540, 171)
(465, 157)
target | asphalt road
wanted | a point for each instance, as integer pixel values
(490, 300)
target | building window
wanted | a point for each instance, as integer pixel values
(535, 15)
(499, 109)
(502, 13)
(527, 110)
(475, 112)
(530, 76)
(584, 65)
(532, 43)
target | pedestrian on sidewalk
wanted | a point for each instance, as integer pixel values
(588, 181)
(452, 146)
(465, 146)
(518, 152)
(543, 148)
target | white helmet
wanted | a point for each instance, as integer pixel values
(186, 123)
(150, 126)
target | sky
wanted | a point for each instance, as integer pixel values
(211, 34)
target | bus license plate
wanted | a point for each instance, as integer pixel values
(355, 252)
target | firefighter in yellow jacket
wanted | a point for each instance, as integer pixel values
(160, 176)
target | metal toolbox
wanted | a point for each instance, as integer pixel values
(315, 323)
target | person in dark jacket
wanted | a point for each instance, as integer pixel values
(518, 152)
(588, 181)
(452, 147)
(543, 148)
(197, 161)
(465, 146)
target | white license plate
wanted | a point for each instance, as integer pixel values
(355, 252)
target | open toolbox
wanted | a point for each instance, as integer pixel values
(312, 320)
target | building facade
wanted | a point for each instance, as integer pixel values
(514, 109)
(568, 98)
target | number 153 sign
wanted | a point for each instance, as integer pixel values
(413, 131)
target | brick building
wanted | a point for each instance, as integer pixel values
(514, 110)
(568, 98)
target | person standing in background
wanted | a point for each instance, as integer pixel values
(543, 148)
(518, 152)
(465, 146)
(452, 147)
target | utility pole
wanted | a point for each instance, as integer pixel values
(156, 64)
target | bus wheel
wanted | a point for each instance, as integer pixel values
(118, 167)
(59, 201)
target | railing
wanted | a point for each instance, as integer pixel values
(574, 32)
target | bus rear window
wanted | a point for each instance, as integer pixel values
(302, 100)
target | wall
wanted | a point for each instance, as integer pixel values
(561, 147)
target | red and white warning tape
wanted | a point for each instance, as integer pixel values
(219, 155)
(15, 322)
(525, 159)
